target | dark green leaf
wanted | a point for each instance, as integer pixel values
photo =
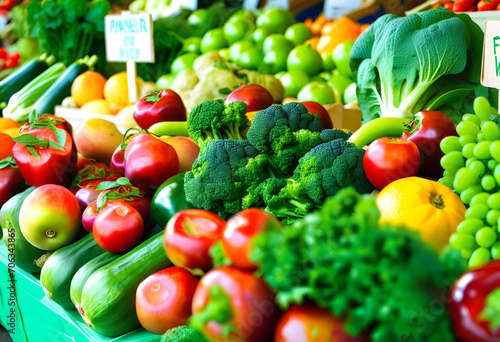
(107, 185)
(123, 181)
(225, 91)
(33, 151)
(9, 161)
(61, 136)
(31, 140)
(56, 146)
(221, 64)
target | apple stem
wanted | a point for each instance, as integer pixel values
(50, 233)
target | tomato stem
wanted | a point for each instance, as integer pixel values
(437, 201)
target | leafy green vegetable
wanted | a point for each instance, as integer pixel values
(382, 279)
(69, 29)
(183, 333)
(407, 64)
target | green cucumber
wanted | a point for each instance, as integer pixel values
(85, 272)
(22, 76)
(61, 88)
(60, 267)
(108, 297)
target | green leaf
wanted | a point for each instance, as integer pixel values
(225, 91)
(56, 146)
(9, 161)
(31, 140)
(33, 151)
(491, 311)
(33, 116)
(107, 185)
(221, 64)
(61, 136)
(124, 181)
(154, 97)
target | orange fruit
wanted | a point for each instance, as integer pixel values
(6, 144)
(101, 106)
(88, 86)
(423, 205)
(8, 123)
(12, 132)
(116, 89)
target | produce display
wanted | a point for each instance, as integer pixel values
(232, 201)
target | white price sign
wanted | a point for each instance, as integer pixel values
(129, 37)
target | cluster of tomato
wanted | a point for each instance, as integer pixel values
(468, 5)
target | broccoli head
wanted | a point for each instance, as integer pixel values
(329, 167)
(223, 173)
(214, 119)
(285, 133)
(183, 333)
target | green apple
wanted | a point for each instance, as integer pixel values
(277, 41)
(318, 92)
(298, 33)
(213, 40)
(276, 19)
(340, 57)
(305, 58)
(183, 62)
(293, 81)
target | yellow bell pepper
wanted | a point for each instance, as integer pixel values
(423, 205)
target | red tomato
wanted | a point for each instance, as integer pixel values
(317, 108)
(426, 130)
(162, 105)
(118, 228)
(141, 204)
(3, 53)
(164, 299)
(255, 96)
(149, 162)
(86, 192)
(389, 159)
(308, 323)
(11, 180)
(254, 312)
(189, 235)
(239, 231)
(117, 163)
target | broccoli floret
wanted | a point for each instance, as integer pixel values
(183, 333)
(213, 119)
(213, 183)
(381, 279)
(285, 133)
(329, 167)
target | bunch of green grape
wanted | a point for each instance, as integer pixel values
(472, 168)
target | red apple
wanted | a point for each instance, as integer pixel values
(255, 96)
(316, 108)
(187, 151)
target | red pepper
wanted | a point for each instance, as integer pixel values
(164, 105)
(487, 5)
(470, 305)
(3, 53)
(462, 5)
(149, 161)
(44, 158)
(12, 60)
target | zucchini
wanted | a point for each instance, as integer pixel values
(60, 267)
(22, 76)
(21, 252)
(61, 88)
(108, 297)
(85, 272)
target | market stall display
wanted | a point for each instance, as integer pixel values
(276, 180)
